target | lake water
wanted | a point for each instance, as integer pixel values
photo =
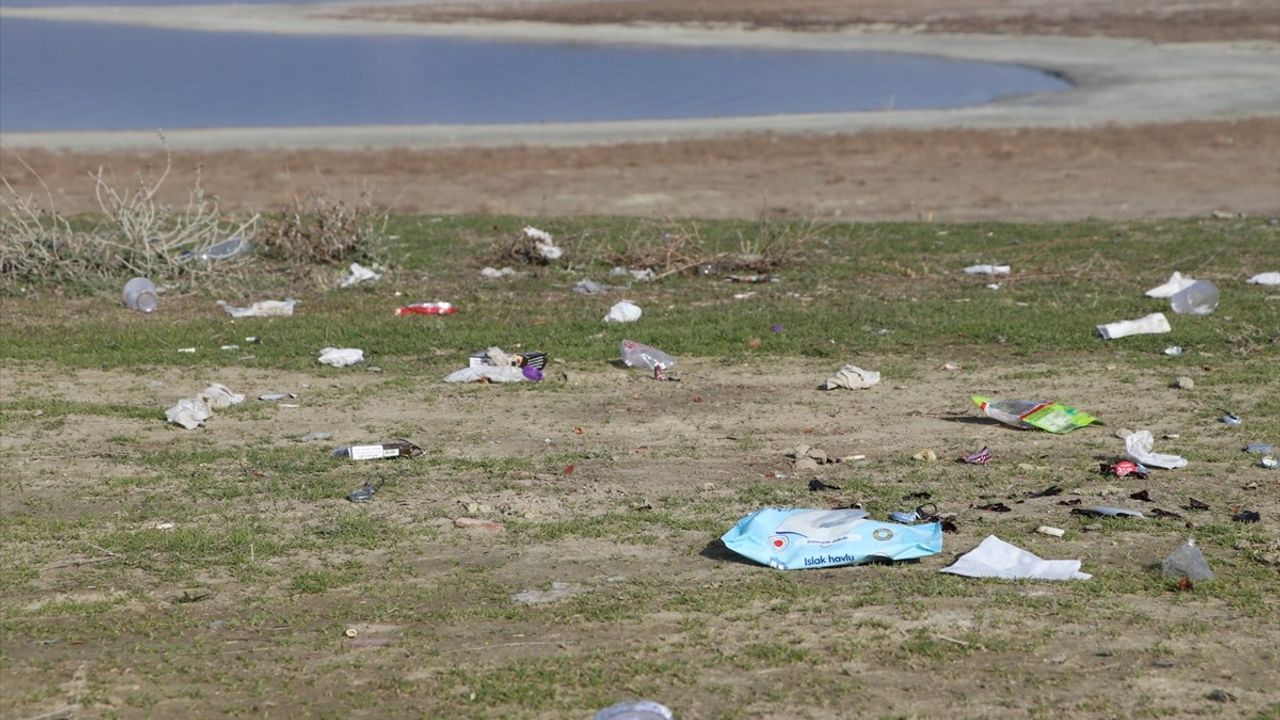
(90, 76)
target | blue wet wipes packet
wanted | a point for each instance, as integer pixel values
(793, 539)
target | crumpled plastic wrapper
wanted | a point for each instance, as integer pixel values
(340, 357)
(1266, 278)
(1138, 448)
(359, 274)
(262, 308)
(995, 558)
(191, 412)
(1174, 285)
(851, 377)
(623, 312)
(498, 368)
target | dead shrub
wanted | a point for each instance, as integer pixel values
(326, 231)
(679, 248)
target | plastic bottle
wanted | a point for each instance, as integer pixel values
(232, 247)
(635, 354)
(1198, 298)
(1187, 561)
(638, 710)
(140, 295)
(394, 449)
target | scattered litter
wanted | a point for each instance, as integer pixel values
(910, 517)
(1198, 298)
(487, 374)
(187, 350)
(164, 526)
(753, 279)
(639, 274)
(229, 347)
(232, 247)
(639, 355)
(468, 523)
(1173, 350)
(788, 539)
(1161, 513)
(558, 591)
(496, 357)
(1266, 278)
(364, 494)
(273, 397)
(1194, 504)
(993, 286)
(1123, 468)
(492, 273)
(987, 270)
(1188, 562)
(427, 308)
(1247, 516)
(315, 435)
(1048, 530)
(253, 339)
(995, 558)
(1138, 447)
(589, 287)
(1221, 696)
(193, 411)
(952, 367)
(1259, 448)
(1142, 495)
(1175, 284)
(925, 455)
(638, 710)
(1269, 462)
(340, 357)
(351, 632)
(994, 507)
(1230, 418)
(496, 366)
(1103, 511)
(1153, 324)
(981, 457)
(777, 328)
(394, 449)
(543, 244)
(262, 308)
(623, 312)
(359, 274)
(1027, 414)
(851, 377)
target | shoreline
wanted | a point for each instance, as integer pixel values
(1116, 82)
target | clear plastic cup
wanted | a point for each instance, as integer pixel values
(1198, 298)
(140, 295)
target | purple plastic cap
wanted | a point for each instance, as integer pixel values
(532, 373)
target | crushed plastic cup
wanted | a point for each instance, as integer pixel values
(1198, 298)
(1187, 562)
(140, 295)
(1153, 324)
(636, 710)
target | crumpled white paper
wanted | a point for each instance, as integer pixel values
(1138, 448)
(340, 357)
(1174, 285)
(851, 377)
(623, 312)
(1266, 278)
(544, 244)
(1153, 324)
(995, 558)
(987, 270)
(359, 274)
(262, 308)
(493, 273)
(191, 412)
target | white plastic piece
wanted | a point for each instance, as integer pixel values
(851, 377)
(262, 308)
(995, 558)
(359, 274)
(1175, 284)
(1153, 324)
(623, 312)
(487, 373)
(340, 357)
(1138, 448)
(1266, 278)
(987, 270)
(191, 412)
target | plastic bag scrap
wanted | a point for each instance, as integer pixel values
(792, 539)
(987, 270)
(340, 357)
(193, 411)
(1138, 448)
(1153, 324)
(1174, 285)
(623, 312)
(1266, 278)
(359, 274)
(851, 377)
(543, 244)
(995, 558)
(262, 308)
(1028, 414)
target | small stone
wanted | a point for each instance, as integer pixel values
(1026, 467)
(818, 455)
(1221, 696)
(1122, 433)
(806, 463)
(1184, 383)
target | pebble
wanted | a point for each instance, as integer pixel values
(1184, 383)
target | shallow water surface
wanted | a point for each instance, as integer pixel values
(90, 76)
